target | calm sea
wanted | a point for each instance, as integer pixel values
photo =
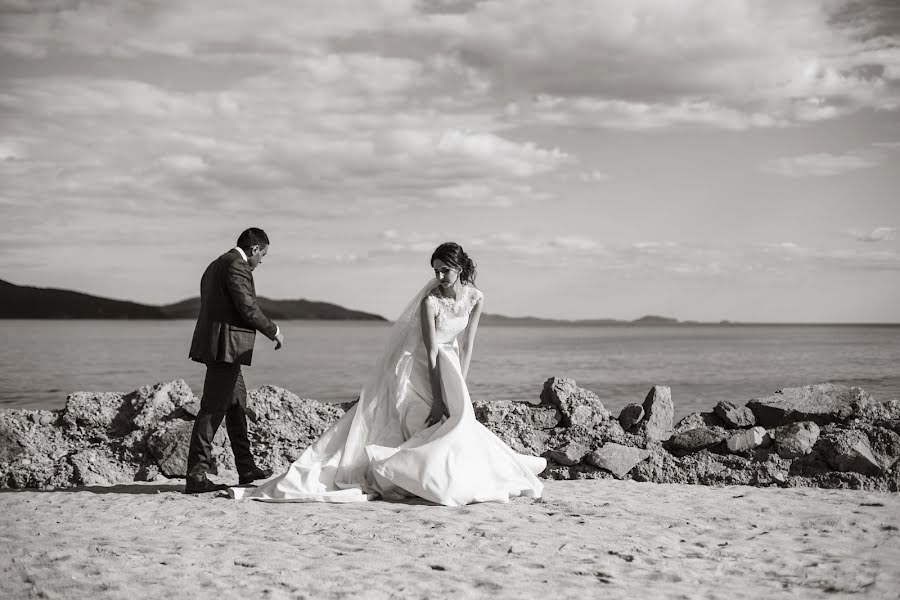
(43, 361)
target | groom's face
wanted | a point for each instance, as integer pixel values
(254, 259)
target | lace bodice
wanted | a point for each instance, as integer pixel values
(452, 314)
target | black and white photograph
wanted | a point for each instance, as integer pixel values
(449, 299)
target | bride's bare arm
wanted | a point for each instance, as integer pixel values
(468, 344)
(438, 408)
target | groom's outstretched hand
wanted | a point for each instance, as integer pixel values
(279, 340)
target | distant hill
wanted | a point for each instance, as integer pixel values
(24, 302)
(492, 319)
(655, 320)
(279, 309)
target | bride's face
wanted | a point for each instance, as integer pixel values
(445, 275)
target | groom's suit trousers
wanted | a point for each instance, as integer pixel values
(224, 397)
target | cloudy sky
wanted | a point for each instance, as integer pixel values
(736, 159)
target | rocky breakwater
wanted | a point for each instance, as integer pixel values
(822, 435)
(103, 438)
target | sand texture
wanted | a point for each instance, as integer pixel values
(584, 539)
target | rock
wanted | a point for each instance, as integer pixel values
(746, 440)
(701, 467)
(823, 403)
(694, 440)
(695, 420)
(504, 412)
(191, 408)
(92, 414)
(567, 454)
(796, 439)
(523, 427)
(848, 450)
(885, 444)
(283, 425)
(577, 406)
(169, 447)
(659, 413)
(631, 415)
(616, 458)
(735, 416)
(10, 448)
(892, 408)
(31, 454)
(151, 403)
(100, 466)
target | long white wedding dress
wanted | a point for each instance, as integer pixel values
(381, 447)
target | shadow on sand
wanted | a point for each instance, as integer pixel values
(122, 488)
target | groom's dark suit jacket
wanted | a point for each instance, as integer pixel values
(229, 315)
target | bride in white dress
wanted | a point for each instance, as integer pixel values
(413, 431)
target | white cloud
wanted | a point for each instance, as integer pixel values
(521, 160)
(878, 234)
(641, 64)
(776, 259)
(594, 176)
(821, 164)
(184, 163)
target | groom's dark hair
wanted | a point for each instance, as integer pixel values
(252, 237)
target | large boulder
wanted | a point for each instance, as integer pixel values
(694, 440)
(577, 406)
(516, 420)
(659, 413)
(33, 451)
(616, 458)
(698, 419)
(101, 466)
(823, 403)
(734, 416)
(568, 453)
(523, 427)
(796, 439)
(746, 440)
(97, 415)
(848, 450)
(169, 445)
(631, 415)
(885, 444)
(281, 425)
(152, 403)
(103, 416)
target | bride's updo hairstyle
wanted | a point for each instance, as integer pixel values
(454, 256)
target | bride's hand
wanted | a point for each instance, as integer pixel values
(436, 414)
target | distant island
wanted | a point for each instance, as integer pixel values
(491, 319)
(24, 302)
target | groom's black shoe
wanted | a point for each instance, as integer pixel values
(254, 475)
(202, 485)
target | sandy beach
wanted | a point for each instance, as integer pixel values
(615, 539)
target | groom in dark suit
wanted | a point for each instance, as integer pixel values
(223, 340)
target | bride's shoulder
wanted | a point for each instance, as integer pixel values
(475, 295)
(432, 298)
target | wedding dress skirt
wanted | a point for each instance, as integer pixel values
(383, 449)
